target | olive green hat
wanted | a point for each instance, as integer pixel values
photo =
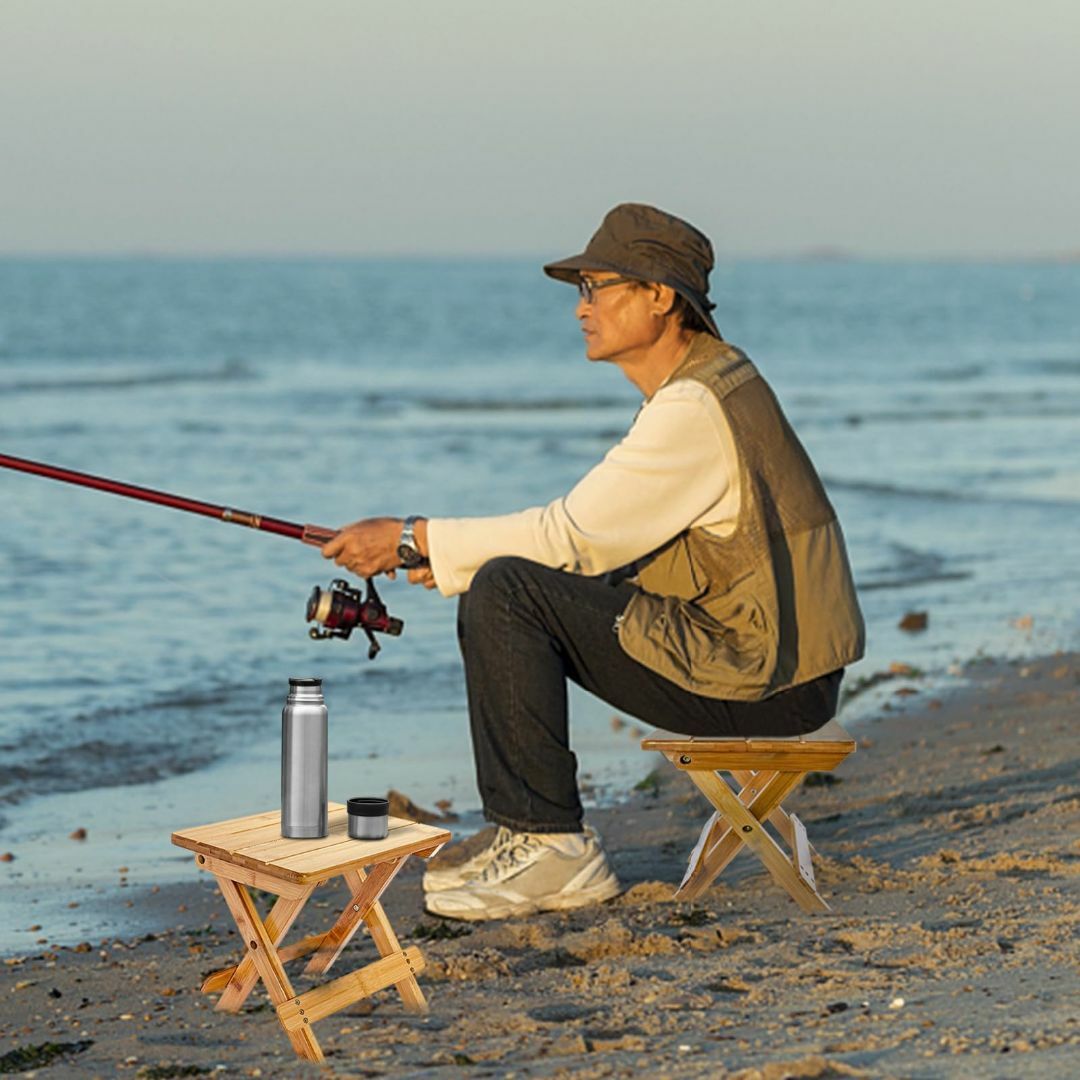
(642, 242)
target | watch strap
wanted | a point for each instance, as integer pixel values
(407, 542)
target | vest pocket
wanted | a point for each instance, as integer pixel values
(726, 652)
(733, 636)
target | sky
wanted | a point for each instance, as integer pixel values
(497, 127)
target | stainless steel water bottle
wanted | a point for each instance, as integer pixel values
(303, 761)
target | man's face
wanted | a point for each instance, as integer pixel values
(620, 319)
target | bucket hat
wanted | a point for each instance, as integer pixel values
(648, 244)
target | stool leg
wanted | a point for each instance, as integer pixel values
(245, 975)
(711, 832)
(767, 791)
(264, 954)
(779, 817)
(749, 780)
(762, 796)
(800, 852)
(382, 933)
(748, 828)
(341, 933)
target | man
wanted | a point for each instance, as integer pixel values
(696, 578)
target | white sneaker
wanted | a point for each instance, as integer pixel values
(439, 879)
(532, 872)
(454, 877)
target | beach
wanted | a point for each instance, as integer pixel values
(947, 849)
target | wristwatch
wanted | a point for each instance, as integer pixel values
(407, 551)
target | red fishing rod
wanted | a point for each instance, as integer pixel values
(341, 609)
(309, 534)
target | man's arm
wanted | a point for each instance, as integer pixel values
(676, 467)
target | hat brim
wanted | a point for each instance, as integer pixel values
(569, 270)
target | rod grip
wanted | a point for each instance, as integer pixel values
(317, 535)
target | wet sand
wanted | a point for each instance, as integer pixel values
(947, 848)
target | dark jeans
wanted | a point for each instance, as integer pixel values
(524, 629)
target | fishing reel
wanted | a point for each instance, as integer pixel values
(341, 609)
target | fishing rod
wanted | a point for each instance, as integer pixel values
(339, 609)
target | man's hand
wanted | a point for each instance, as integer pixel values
(367, 547)
(422, 575)
(370, 547)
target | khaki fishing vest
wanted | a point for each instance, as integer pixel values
(771, 606)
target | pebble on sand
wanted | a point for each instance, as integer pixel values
(78, 834)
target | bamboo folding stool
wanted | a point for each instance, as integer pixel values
(764, 771)
(251, 852)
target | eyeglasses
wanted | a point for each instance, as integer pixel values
(587, 289)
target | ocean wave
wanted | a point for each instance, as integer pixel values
(64, 430)
(231, 371)
(1055, 367)
(911, 566)
(961, 373)
(1037, 405)
(187, 729)
(917, 414)
(137, 742)
(552, 404)
(94, 763)
(965, 495)
(879, 487)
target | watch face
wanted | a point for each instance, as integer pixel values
(409, 556)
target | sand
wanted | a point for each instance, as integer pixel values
(947, 848)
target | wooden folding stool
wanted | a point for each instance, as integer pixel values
(251, 851)
(765, 771)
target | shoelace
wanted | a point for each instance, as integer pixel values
(503, 837)
(515, 849)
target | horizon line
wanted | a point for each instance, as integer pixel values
(813, 253)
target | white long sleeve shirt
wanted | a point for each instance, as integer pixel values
(676, 468)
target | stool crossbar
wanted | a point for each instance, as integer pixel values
(763, 772)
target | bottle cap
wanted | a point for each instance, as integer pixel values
(369, 807)
(305, 682)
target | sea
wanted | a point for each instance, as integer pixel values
(146, 652)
